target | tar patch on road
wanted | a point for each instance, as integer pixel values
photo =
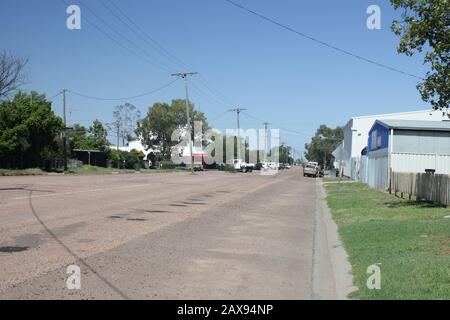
(194, 203)
(136, 219)
(13, 249)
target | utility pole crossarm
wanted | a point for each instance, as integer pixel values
(183, 74)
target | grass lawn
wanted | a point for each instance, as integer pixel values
(410, 241)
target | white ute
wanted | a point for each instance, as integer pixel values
(243, 166)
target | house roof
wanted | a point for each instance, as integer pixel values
(416, 125)
(389, 115)
(395, 114)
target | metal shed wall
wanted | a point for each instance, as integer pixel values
(378, 171)
(419, 162)
(415, 151)
(421, 141)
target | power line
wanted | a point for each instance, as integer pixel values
(161, 66)
(323, 43)
(163, 51)
(54, 96)
(219, 116)
(208, 95)
(124, 98)
(116, 41)
(145, 36)
(277, 126)
(136, 33)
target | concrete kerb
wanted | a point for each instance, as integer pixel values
(332, 272)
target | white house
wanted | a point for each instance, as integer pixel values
(136, 145)
(356, 134)
(183, 152)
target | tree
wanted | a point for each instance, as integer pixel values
(78, 138)
(162, 120)
(99, 136)
(133, 159)
(285, 154)
(28, 130)
(94, 138)
(323, 144)
(425, 26)
(11, 74)
(126, 117)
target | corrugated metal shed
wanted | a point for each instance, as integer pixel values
(411, 146)
(356, 132)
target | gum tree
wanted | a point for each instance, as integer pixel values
(425, 27)
(11, 74)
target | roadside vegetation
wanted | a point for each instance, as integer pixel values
(102, 170)
(24, 172)
(410, 241)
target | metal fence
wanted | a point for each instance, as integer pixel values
(418, 162)
(424, 186)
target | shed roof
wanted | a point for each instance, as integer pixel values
(416, 125)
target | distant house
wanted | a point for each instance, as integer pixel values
(407, 146)
(150, 154)
(357, 130)
(200, 157)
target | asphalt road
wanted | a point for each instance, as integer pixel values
(214, 235)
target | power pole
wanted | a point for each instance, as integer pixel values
(238, 111)
(118, 136)
(185, 75)
(64, 132)
(115, 127)
(265, 141)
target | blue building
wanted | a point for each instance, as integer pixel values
(406, 146)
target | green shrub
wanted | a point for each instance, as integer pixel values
(226, 167)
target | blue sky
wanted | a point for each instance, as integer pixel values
(279, 77)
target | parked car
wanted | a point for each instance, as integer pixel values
(242, 166)
(269, 166)
(310, 170)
